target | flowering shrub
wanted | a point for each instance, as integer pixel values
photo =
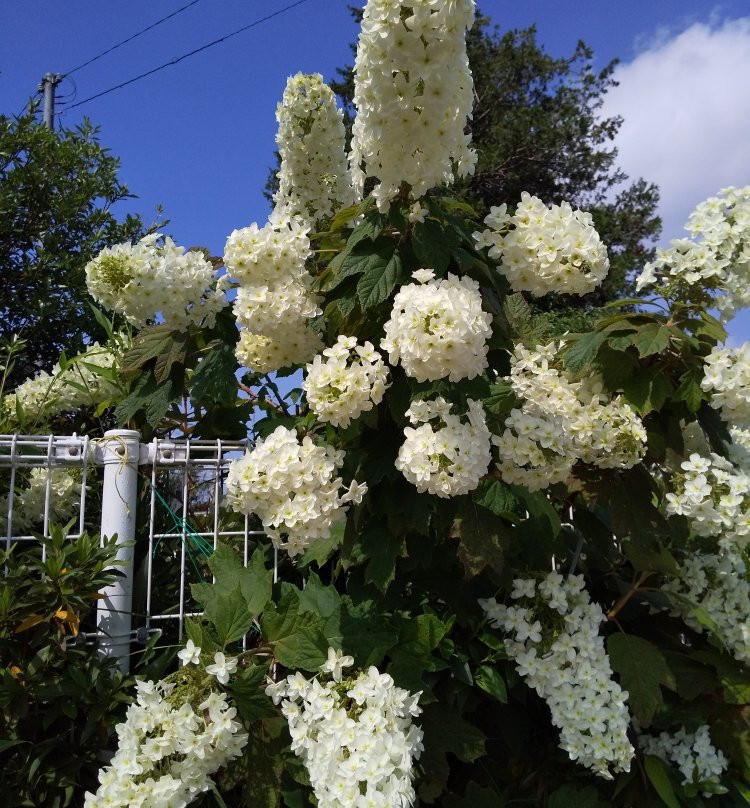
(481, 450)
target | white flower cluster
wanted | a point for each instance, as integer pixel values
(562, 421)
(292, 487)
(698, 760)
(349, 381)
(557, 648)
(167, 750)
(714, 496)
(717, 256)
(150, 277)
(355, 735)
(446, 455)
(414, 94)
(719, 584)
(273, 306)
(548, 249)
(313, 176)
(80, 384)
(28, 504)
(438, 328)
(726, 376)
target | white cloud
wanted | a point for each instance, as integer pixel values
(686, 103)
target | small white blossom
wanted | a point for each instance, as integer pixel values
(222, 667)
(190, 654)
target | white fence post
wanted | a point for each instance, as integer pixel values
(119, 455)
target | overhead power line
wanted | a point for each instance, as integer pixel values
(131, 38)
(178, 59)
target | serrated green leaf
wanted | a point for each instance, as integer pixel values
(383, 549)
(362, 259)
(430, 246)
(689, 389)
(657, 774)
(254, 581)
(248, 694)
(175, 352)
(227, 612)
(646, 554)
(148, 344)
(647, 391)
(482, 539)
(583, 351)
(377, 283)
(643, 671)
(297, 637)
(214, 379)
(497, 497)
(651, 339)
(570, 796)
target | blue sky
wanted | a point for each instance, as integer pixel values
(198, 137)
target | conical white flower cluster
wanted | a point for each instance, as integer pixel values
(150, 277)
(167, 750)
(719, 584)
(716, 259)
(446, 454)
(713, 496)
(354, 734)
(562, 421)
(79, 385)
(314, 179)
(546, 249)
(726, 376)
(557, 649)
(698, 760)
(414, 94)
(349, 381)
(28, 504)
(292, 487)
(273, 306)
(438, 328)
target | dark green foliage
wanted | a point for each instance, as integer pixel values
(57, 188)
(59, 700)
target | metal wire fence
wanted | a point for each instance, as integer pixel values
(165, 500)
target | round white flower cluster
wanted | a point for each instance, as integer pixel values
(739, 449)
(548, 249)
(698, 760)
(349, 381)
(447, 455)
(719, 584)
(313, 175)
(438, 328)
(292, 487)
(726, 375)
(414, 94)
(562, 421)
(141, 280)
(167, 750)
(28, 504)
(714, 496)
(557, 648)
(355, 735)
(273, 306)
(79, 385)
(716, 259)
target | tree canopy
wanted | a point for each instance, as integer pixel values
(57, 188)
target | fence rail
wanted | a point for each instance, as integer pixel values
(163, 499)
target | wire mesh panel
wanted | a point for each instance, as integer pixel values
(186, 518)
(45, 479)
(175, 512)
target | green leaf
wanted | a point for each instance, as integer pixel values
(377, 283)
(254, 581)
(362, 260)
(643, 671)
(518, 313)
(689, 389)
(570, 796)
(734, 677)
(482, 539)
(475, 797)
(497, 497)
(366, 634)
(248, 694)
(227, 612)
(146, 395)
(368, 229)
(297, 637)
(214, 379)
(383, 549)
(261, 783)
(491, 682)
(647, 391)
(651, 339)
(413, 655)
(148, 344)
(657, 774)
(583, 351)
(646, 554)
(430, 246)
(175, 351)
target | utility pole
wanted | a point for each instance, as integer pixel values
(47, 88)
